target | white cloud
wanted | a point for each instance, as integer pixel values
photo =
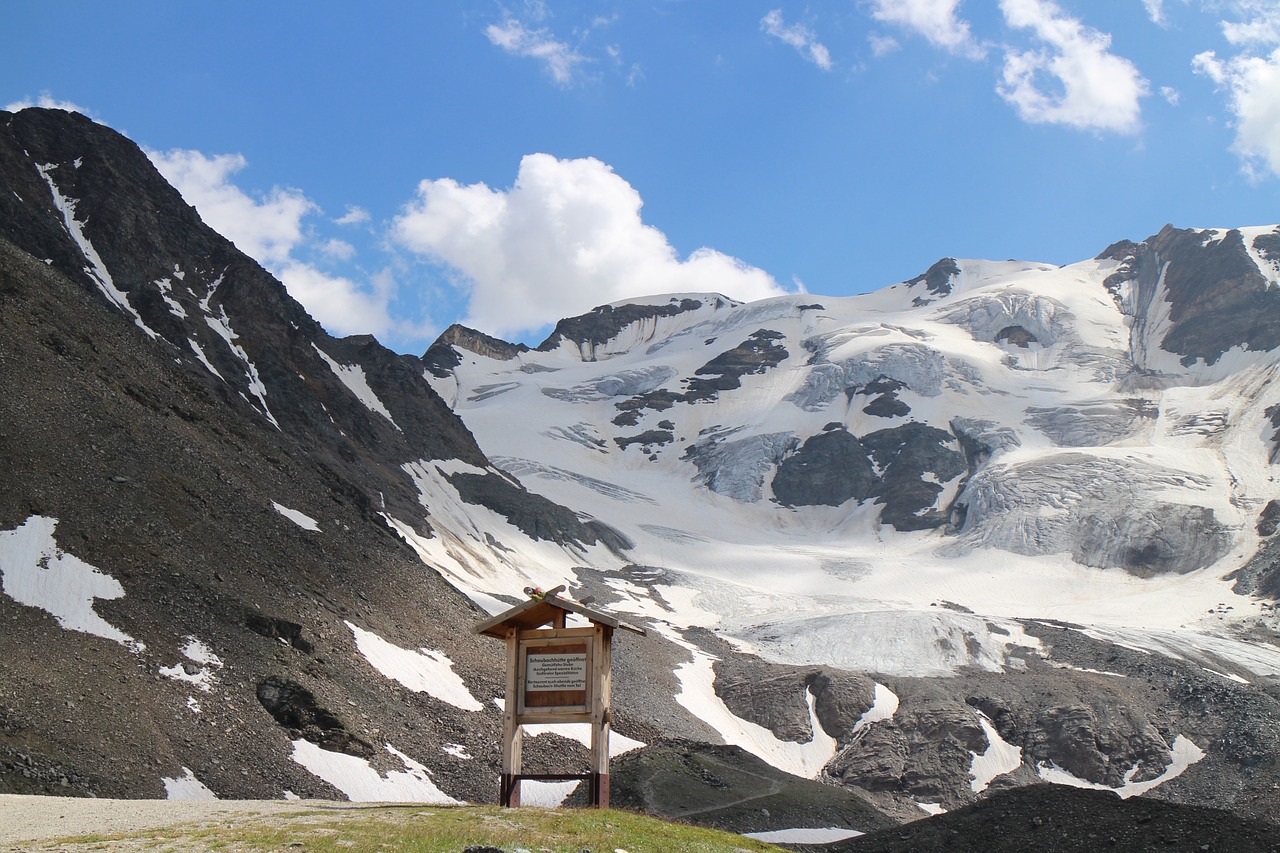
(1155, 11)
(559, 58)
(1259, 24)
(936, 20)
(882, 45)
(798, 36)
(354, 216)
(1090, 88)
(267, 228)
(271, 230)
(339, 250)
(1170, 94)
(48, 102)
(565, 238)
(1253, 87)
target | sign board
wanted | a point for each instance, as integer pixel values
(555, 675)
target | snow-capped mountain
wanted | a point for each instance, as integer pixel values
(921, 481)
(1002, 523)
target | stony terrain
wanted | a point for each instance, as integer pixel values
(995, 525)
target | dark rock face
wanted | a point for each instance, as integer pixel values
(603, 324)
(295, 707)
(938, 279)
(1218, 298)
(1016, 336)
(755, 355)
(442, 356)
(648, 438)
(726, 788)
(775, 696)
(159, 447)
(533, 514)
(1070, 820)
(828, 469)
(904, 455)
(886, 403)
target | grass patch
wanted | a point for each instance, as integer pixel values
(430, 829)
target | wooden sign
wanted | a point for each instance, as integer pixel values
(555, 675)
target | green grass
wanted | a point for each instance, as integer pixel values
(432, 829)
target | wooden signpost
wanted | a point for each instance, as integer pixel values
(555, 675)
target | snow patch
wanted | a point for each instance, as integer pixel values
(1185, 753)
(698, 696)
(301, 519)
(999, 758)
(221, 325)
(361, 783)
(96, 270)
(186, 787)
(422, 671)
(352, 376)
(545, 795)
(883, 707)
(203, 677)
(37, 573)
(826, 835)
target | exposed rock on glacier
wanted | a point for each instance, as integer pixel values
(828, 469)
(937, 281)
(1102, 514)
(442, 356)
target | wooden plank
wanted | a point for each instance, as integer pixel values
(512, 734)
(602, 683)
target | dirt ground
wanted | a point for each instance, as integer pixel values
(30, 822)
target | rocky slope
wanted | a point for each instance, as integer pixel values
(1000, 524)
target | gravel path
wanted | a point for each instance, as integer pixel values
(26, 818)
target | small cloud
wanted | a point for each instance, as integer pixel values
(1170, 94)
(338, 250)
(1072, 79)
(353, 216)
(48, 102)
(882, 45)
(559, 59)
(798, 36)
(936, 20)
(568, 236)
(1155, 11)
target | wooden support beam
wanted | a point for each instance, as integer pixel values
(512, 733)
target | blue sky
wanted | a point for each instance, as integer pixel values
(403, 166)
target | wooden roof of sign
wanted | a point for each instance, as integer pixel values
(540, 610)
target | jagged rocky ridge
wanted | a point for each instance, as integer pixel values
(998, 524)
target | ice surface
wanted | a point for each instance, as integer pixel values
(37, 573)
